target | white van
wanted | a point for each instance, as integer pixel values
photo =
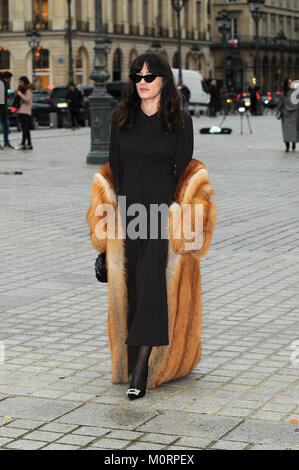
(199, 99)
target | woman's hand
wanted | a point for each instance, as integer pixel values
(18, 93)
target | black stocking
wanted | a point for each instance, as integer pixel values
(139, 376)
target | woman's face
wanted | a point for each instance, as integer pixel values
(21, 83)
(290, 83)
(148, 90)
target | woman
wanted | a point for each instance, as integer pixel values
(151, 147)
(24, 112)
(287, 111)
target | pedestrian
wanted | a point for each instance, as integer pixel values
(23, 100)
(154, 319)
(254, 97)
(74, 99)
(6, 78)
(288, 111)
(214, 99)
(186, 94)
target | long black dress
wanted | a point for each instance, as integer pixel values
(146, 164)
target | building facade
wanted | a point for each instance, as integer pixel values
(133, 26)
(276, 60)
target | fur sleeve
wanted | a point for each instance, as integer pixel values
(92, 218)
(202, 215)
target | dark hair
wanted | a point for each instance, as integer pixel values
(170, 114)
(6, 75)
(71, 84)
(24, 79)
(285, 85)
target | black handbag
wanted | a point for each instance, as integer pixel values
(101, 268)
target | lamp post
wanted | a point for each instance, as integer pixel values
(281, 42)
(70, 41)
(223, 21)
(178, 5)
(33, 38)
(256, 8)
(100, 102)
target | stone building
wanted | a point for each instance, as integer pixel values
(133, 26)
(277, 59)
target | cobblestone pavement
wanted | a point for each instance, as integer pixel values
(55, 389)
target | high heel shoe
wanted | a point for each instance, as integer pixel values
(135, 393)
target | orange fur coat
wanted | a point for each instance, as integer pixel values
(182, 277)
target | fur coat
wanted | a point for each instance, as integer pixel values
(182, 278)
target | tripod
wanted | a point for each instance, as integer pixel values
(242, 112)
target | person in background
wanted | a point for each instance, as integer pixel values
(186, 96)
(215, 98)
(74, 99)
(24, 92)
(288, 111)
(6, 78)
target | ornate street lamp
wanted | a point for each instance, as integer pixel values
(178, 5)
(256, 8)
(70, 41)
(223, 21)
(100, 102)
(33, 38)
(195, 50)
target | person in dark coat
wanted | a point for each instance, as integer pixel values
(288, 111)
(151, 146)
(254, 100)
(215, 98)
(186, 94)
(6, 78)
(74, 99)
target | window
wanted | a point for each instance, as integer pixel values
(40, 14)
(117, 65)
(145, 13)
(273, 26)
(264, 27)
(4, 59)
(234, 30)
(3, 15)
(41, 67)
(130, 12)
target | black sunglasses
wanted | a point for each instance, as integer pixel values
(148, 78)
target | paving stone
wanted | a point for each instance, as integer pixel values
(109, 416)
(106, 443)
(259, 432)
(74, 439)
(189, 424)
(43, 436)
(23, 444)
(43, 409)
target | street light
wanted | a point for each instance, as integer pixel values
(256, 8)
(70, 41)
(223, 21)
(178, 5)
(33, 38)
(100, 102)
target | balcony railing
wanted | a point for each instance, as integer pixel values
(44, 25)
(264, 41)
(5, 26)
(134, 29)
(82, 26)
(118, 28)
